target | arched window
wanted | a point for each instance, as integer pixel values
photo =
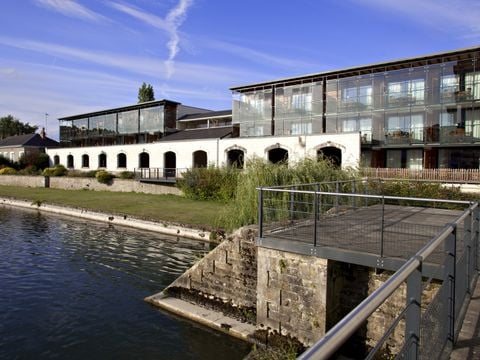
(277, 155)
(85, 161)
(143, 160)
(170, 164)
(121, 160)
(102, 160)
(332, 154)
(235, 158)
(56, 160)
(70, 163)
(199, 159)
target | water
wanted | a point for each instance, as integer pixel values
(74, 290)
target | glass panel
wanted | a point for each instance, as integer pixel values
(128, 122)
(253, 110)
(414, 159)
(365, 127)
(394, 158)
(151, 119)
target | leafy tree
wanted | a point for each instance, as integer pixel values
(10, 126)
(145, 93)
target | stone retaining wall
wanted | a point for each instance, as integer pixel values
(78, 183)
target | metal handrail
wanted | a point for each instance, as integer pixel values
(337, 335)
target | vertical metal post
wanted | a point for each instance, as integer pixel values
(467, 241)
(354, 199)
(383, 225)
(413, 316)
(315, 205)
(337, 190)
(260, 213)
(476, 238)
(319, 202)
(366, 192)
(450, 273)
(292, 205)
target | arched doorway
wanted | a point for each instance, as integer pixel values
(199, 159)
(277, 155)
(235, 158)
(85, 161)
(102, 160)
(332, 154)
(121, 160)
(56, 160)
(143, 160)
(70, 163)
(170, 164)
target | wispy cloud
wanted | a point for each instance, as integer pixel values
(170, 24)
(188, 72)
(459, 17)
(71, 8)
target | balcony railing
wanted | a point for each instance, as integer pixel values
(158, 174)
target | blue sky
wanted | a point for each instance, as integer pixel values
(65, 57)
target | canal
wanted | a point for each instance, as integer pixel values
(72, 289)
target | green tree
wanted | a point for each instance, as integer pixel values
(10, 126)
(145, 93)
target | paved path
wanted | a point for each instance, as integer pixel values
(468, 343)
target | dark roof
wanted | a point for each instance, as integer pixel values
(123, 108)
(195, 134)
(34, 140)
(366, 69)
(206, 115)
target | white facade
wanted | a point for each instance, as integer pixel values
(298, 147)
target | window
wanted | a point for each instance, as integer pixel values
(365, 127)
(349, 125)
(121, 160)
(302, 99)
(301, 129)
(85, 161)
(70, 163)
(102, 160)
(403, 92)
(358, 95)
(472, 86)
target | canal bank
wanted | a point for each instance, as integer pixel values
(114, 219)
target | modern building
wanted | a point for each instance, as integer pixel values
(422, 112)
(14, 147)
(166, 134)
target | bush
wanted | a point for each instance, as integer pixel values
(58, 170)
(126, 175)
(79, 173)
(29, 170)
(209, 183)
(8, 171)
(37, 159)
(4, 162)
(104, 177)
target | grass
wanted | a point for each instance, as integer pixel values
(169, 208)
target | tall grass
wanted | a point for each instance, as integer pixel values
(242, 209)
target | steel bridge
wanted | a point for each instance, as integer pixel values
(419, 239)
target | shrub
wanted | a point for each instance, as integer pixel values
(29, 170)
(209, 183)
(8, 171)
(4, 162)
(104, 177)
(58, 170)
(37, 159)
(126, 175)
(78, 173)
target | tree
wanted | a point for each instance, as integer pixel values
(145, 93)
(10, 126)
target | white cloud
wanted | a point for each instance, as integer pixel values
(450, 16)
(71, 8)
(170, 24)
(187, 72)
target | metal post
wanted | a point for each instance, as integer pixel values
(319, 201)
(260, 213)
(476, 238)
(413, 316)
(337, 190)
(315, 220)
(354, 199)
(383, 225)
(292, 205)
(450, 273)
(467, 241)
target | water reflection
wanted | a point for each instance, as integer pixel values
(75, 289)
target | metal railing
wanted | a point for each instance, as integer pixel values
(434, 306)
(164, 174)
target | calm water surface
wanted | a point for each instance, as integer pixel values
(74, 290)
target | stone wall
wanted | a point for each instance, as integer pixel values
(291, 294)
(78, 183)
(225, 279)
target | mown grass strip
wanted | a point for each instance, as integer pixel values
(169, 208)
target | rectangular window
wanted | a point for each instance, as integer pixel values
(472, 86)
(414, 159)
(301, 129)
(365, 127)
(406, 92)
(394, 158)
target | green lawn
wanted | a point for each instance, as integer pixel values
(145, 206)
